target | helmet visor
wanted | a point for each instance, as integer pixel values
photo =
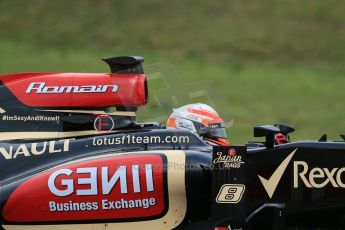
(217, 132)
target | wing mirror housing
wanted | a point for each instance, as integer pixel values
(267, 131)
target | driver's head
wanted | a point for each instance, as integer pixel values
(201, 119)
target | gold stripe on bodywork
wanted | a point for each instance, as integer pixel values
(49, 227)
(174, 216)
(49, 135)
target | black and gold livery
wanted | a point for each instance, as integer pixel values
(67, 165)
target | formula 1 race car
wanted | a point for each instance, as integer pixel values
(68, 161)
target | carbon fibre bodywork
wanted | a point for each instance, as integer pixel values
(305, 195)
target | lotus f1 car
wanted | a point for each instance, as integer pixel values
(67, 161)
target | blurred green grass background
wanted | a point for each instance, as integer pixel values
(271, 61)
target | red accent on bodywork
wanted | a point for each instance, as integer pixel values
(219, 141)
(232, 152)
(30, 201)
(280, 139)
(131, 92)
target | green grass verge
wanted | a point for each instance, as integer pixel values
(264, 62)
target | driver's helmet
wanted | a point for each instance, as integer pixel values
(201, 119)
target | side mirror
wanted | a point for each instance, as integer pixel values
(125, 64)
(267, 131)
(285, 129)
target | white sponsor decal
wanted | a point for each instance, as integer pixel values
(107, 184)
(317, 177)
(72, 206)
(185, 124)
(228, 161)
(104, 204)
(133, 139)
(34, 149)
(193, 117)
(41, 88)
(230, 193)
(93, 187)
(30, 118)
